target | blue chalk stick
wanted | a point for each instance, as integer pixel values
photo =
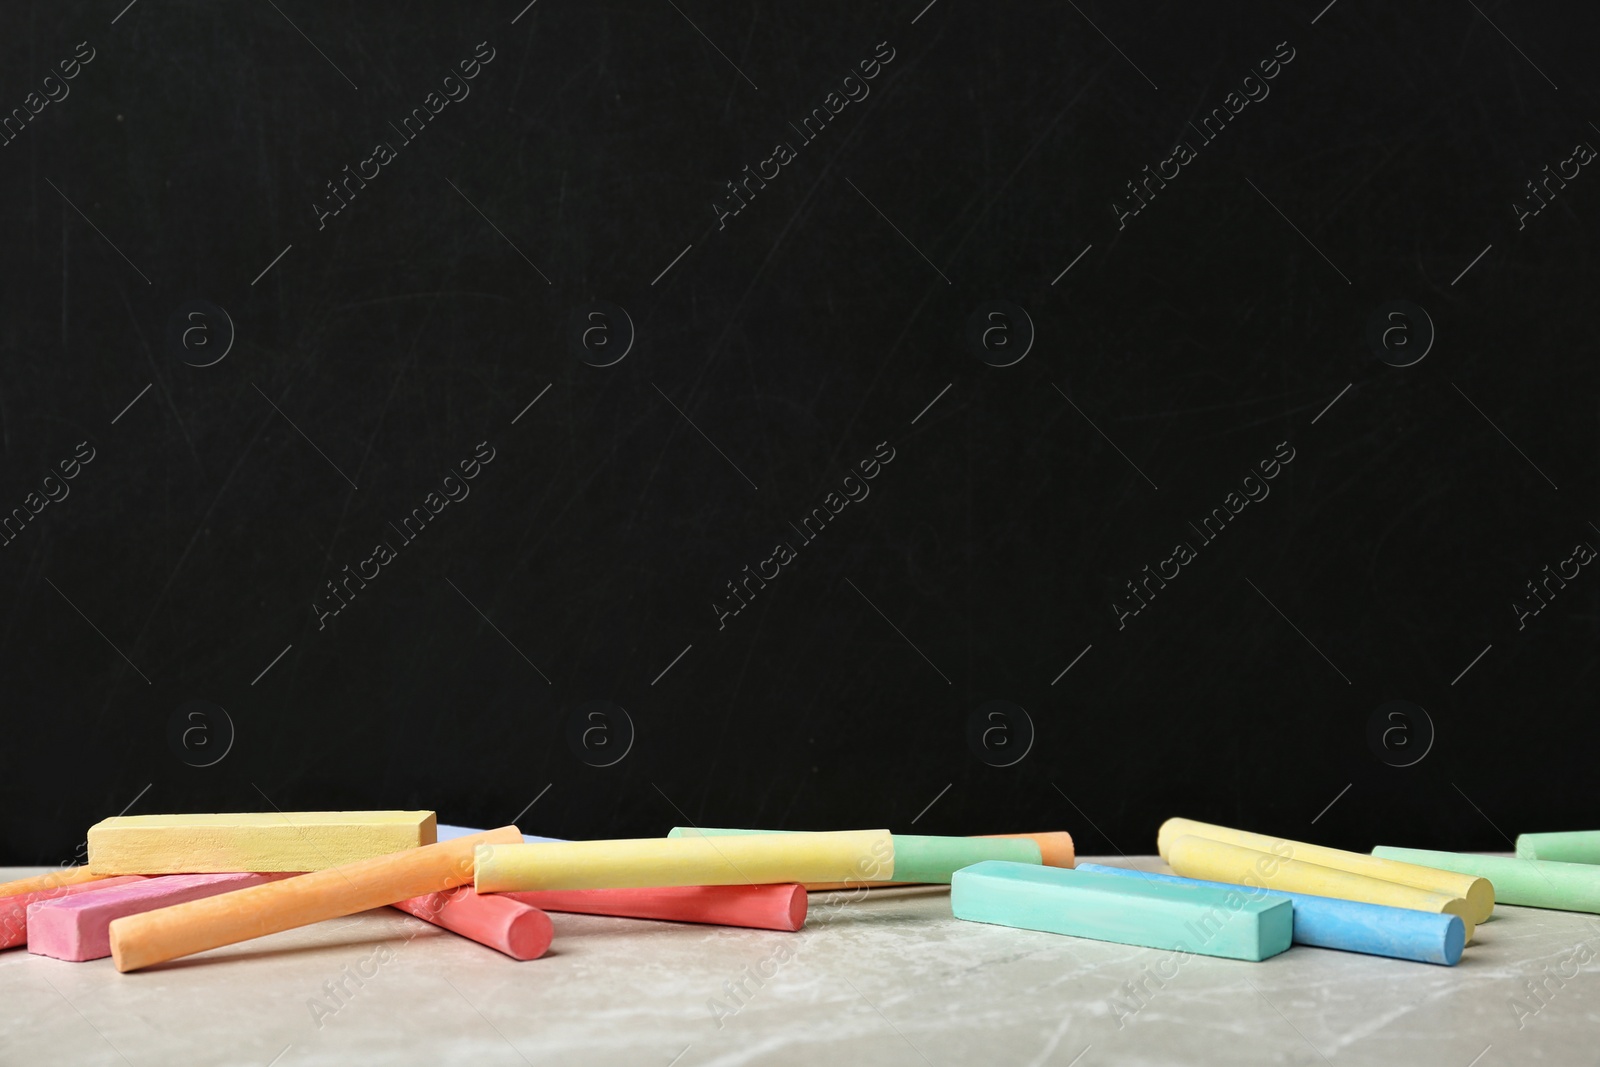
(450, 833)
(1324, 922)
(1192, 919)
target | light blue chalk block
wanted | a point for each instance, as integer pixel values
(450, 833)
(1196, 919)
(1349, 925)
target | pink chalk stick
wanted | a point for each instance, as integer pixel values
(760, 907)
(14, 910)
(77, 928)
(519, 930)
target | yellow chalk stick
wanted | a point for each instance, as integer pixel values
(252, 841)
(183, 929)
(1477, 892)
(1218, 861)
(758, 859)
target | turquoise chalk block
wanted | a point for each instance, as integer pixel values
(1195, 919)
(1347, 925)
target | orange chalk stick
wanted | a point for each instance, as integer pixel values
(14, 908)
(50, 880)
(183, 929)
(778, 906)
(499, 921)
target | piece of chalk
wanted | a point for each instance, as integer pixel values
(758, 907)
(1348, 925)
(1531, 883)
(252, 841)
(515, 927)
(645, 863)
(1190, 918)
(1477, 892)
(50, 880)
(14, 908)
(1055, 850)
(1218, 861)
(1575, 846)
(77, 928)
(1055, 847)
(917, 860)
(450, 833)
(183, 929)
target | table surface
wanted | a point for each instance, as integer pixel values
(890, 978)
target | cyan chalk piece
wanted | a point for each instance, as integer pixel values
(1191, 919)
(1347, 925)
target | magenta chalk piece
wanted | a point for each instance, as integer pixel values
(77, 927)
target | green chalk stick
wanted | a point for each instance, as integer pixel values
(1191, 919)
(1578, 846)
(1531, 883)
(919, 859)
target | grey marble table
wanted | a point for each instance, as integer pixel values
(889, 979)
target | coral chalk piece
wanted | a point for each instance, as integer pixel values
(757, 907)
(515, 927)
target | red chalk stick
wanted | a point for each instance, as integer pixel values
(14, 909)
(76, 928)
(760, 907)
(514, 927)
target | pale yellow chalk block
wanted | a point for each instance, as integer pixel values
(1477, 892)
(758, 859)
(1218, 861)
(252, 841)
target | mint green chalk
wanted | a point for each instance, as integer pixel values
(1531, 883)
(1192, 919)
(919, 859)
(1577, 846)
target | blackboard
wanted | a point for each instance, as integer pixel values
(951, 417)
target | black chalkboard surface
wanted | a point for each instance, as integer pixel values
(950, 417)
